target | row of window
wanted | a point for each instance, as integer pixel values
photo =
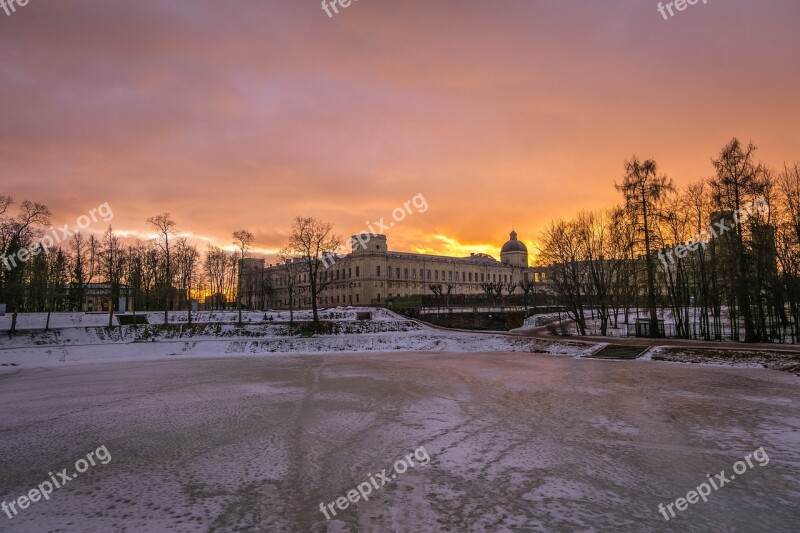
(432, 275)
(447, 275)
(334, 274)
(413, 273)
(325, 300)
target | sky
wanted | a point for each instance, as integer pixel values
(244, 114)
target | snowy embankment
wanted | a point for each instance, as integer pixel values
(66, 320)
(772, 359)
(79, 336)
(536, 321)
(385, 333)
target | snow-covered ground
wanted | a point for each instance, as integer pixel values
(517, 443)
(79, 338)
(67, 343)
(535, 321)
(65, 320)
(772, 359)
(418, 341)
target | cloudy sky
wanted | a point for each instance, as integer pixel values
(246, 113)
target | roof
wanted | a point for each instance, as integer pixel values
(514, 245)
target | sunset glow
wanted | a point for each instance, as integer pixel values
(504, 115)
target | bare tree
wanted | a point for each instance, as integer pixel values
(85, 254)
(447, 294)
(645, 191)
(166, 228)
(704, 270)
(509, 287)
(291, 264)
(562, 248)
(23, 230)
(526, 285)
(56, 284)
(677, 228)
(788, 240)
(437, 290)
(187, 260)
(6, 224)
(488, 288)
(135, 275)
(594, 230)
(243, 239)
(739, 181)
(312, 240)
(215, 273)
(620, 252)
(113, 269)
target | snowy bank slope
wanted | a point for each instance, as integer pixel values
(78, 337)
(410, 341)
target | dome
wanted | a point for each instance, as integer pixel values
(514, 245)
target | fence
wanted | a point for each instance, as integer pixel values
(716, 332)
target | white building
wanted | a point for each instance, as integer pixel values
(371, 274)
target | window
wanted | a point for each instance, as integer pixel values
(470, 276)
(437, 275)
(482, 276)
(429, 275)
(356, 294)
(358, 271)
(398, 273)
(450, 276)
(463, 276)
(378, 272)
(406, 274)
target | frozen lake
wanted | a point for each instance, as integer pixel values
(517, 443)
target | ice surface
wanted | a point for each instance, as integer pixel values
(518, 441)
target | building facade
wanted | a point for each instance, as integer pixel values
(97, 297)
(372, 274)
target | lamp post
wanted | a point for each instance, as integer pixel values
(694, 316)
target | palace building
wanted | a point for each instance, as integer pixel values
(371, 274)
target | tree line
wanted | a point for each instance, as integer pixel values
(721, 253)
(156, 274)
